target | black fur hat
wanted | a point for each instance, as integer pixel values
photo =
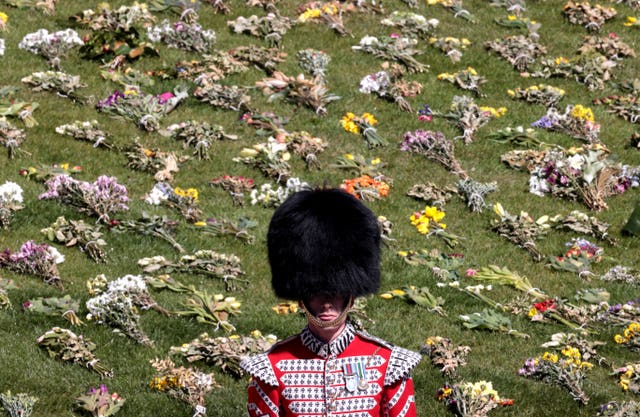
(323, 241)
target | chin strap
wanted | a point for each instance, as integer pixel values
(324, 324)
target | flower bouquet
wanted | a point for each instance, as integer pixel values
(390, 86)
(628, 377)
(435, 146)
(495, 275)
(185, 384)
(490, 320)
(630, 337)
(418, 296)
(40, 260)
(363, 126)
(520, 229)
(610, 46)
(224, 352)
(226, 227)
(329, 13)
(185, 201)
(445, 355)
(472, 399)
(519, 50)
(211, 309)
(305, 145)
(88, 131)
(567, 370)
(103, 197)
(227, 97)
(577, 122)
(100, 402)
(61, 83)
(474, 192)
(366, 188)
(51, 46)
(469, 117)
(619, 314)
(427, 222)
(360, 165)
(64, 307)
(77, 233)
(68, 347)
(150, 225)
(271, 157)
(451, 46)
(10, 202)
(584, 14)
(592, 70)
(185, 34)
(271, 27)
(198, 135)
(547, 95)
(235, 185)
(267, 196)
(621, 274)
(18, 405)
(556, 309)
(160, 163)
(587, 347)
(225, 267)
(626, 107)
(298, 90)
(518, 136)
(412, 25)
(444, 266)
(11, 138)
(619, 409)
(145, 110)
(455, 7)
(400, 49)
(264, 58)
(578, 258)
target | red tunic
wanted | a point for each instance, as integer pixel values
(356, 375)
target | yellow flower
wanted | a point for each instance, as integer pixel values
(349, 156)
(256, 333)
(472, 71)
(433, 213)
(398, 293)
(511, 17)
(511, 93)
(561, 60)
(200, 224)
(619, 339)
(386, 296)
(4, 17)
(624, 383)
(630, 21)
(375, 161)
(550, 357)
(532, 312)
(130, 92)
(309, 14)
(370, 119)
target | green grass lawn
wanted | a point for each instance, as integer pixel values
(494, 356)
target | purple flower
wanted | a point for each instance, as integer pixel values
(545, 122)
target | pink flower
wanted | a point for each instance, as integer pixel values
(394, 35)
(471, 272)
(164, 97)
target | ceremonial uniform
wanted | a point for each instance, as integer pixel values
(355, 375)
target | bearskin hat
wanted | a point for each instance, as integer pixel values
(323, 241)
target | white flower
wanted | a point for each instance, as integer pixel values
(156, 196)
(537, 185)
(575, 161)
(10, 192)
(2, 47)
(56, 256)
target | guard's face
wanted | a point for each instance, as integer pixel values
(326, 307)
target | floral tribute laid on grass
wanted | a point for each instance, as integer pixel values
(516, 223)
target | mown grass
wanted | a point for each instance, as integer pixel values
(494, 356)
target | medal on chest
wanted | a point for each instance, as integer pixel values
(355, 376)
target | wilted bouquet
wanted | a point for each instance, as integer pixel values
(67, 346)
(102, 198)
(18, 405)
(235, 185)
(314, 62)
(52, 46)
(412, 25)
(145, 110)
(472, 399)
(100, 402)
(390, 86)
(610, 46)
(312, 93)
(492, 320)
(40, 260)
(400, 49)
(61, 83)
(625, 106)
(271, 27)
(520, 229)
(519, 50)
(185, 34)
(468, 116)
(65, 307)
(227, 227)
(43, 172)
(547, 95)
(185, 384)
(305, 145)
(360, 165)
(444, 266)
(435, 146)
(224, 352)
(151, 225)
(584, 14)
(87, 131)
(451, 46)
(198, 135)
(592, 70)
(519, 136)
(15, 108)
(418, 296)
(567, 370)
(225, 267)
(271, 157)
(160, 163)
(11, 137)
(445, 355)
(77, 233)
(10, 202)
(495, 275)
